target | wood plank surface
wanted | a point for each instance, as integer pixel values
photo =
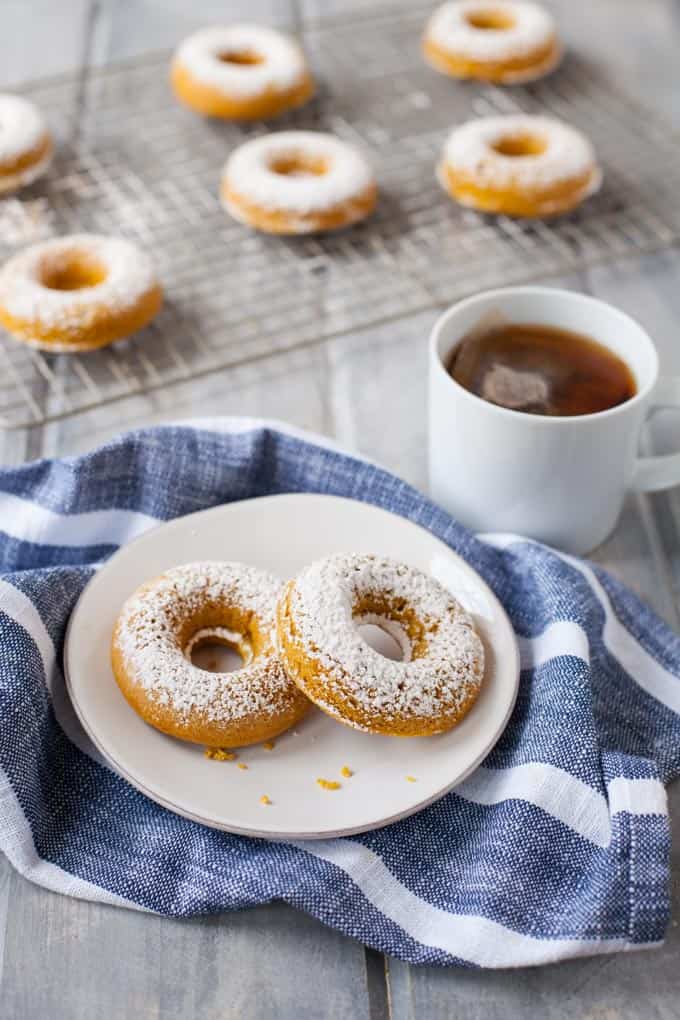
(70, 960)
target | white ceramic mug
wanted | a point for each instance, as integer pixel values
(560, 480)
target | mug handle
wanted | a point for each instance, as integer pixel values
(654, 473)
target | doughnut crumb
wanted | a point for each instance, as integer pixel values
(411, 779)
(328, 784)
(346, 772)
(264, 800)
(219, 754)
(269, 745)
(242, 765)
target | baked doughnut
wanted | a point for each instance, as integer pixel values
(519, 165)
(77, 292)
(502, 41)
(442, 665)
(297, 182)
(241, 72)
(165, 619)
(25, 143)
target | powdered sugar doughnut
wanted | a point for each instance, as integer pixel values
(241, 72)
(25, 143)
(78, 292)
(324, 652)
(519, 165)
(165, 619)
(297, 182)
(504, 41)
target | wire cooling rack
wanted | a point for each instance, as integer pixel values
(138, 165)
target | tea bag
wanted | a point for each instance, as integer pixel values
(514, 388)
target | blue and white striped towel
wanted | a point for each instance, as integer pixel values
(557, 846)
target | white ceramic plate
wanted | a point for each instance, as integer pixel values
(282, 534)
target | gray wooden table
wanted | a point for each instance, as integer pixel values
(61, 958)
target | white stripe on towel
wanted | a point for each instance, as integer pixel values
(466, 936)
(561, 795)
(637, 796)
(561, 638)
(30, 522)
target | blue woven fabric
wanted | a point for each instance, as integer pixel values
(557, 846)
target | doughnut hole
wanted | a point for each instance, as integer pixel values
(490, 19)
(520, 145)
(242, 58)
(73, 270)
(381, 640)
(222, 639)
(298, 164)
(398, 621)
(218, 651)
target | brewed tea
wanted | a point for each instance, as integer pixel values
(541, 370)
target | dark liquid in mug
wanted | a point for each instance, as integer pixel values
(541, 370)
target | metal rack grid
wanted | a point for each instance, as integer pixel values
(143, 167)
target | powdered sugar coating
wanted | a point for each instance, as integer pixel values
(282, 65)
(23, 295)
(248, 173)
(22, 127)
(147, 639)
(322, 602)
(450, 29)
(568, 154)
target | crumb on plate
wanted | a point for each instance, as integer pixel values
(328, 784)
(264, 799)
(346, 771)
(242, 765)
(411, 779)
(219, 754)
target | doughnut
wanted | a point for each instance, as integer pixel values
(519, 165)
(25, 143)
(502, 41)
(323, 651)
(241, 72)
(165, 619)
(77, 292)
(297, 182)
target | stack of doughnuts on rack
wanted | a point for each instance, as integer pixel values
(84, 291)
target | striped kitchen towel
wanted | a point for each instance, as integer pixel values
(557, 846)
